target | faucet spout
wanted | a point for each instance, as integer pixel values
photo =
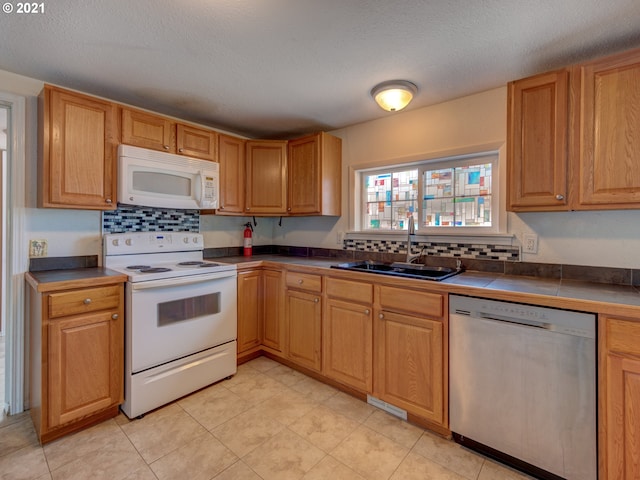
(411, 230)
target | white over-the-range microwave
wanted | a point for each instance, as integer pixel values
(158, 179)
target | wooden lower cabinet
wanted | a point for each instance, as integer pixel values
(410, 352)
(303, 318)
(620, 374)
(249, 310)
(347, 334)
(77, 357)
(272, 314)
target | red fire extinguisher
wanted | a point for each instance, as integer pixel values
(248, 232)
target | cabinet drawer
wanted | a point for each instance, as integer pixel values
(415, 301)
(304, 281)
(623, 336)
(350, 290)
(85, 300)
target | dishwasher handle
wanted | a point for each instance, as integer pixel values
(502, 318)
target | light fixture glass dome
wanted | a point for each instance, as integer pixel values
(394, 95)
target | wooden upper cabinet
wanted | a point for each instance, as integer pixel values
(266, 177)
(537, 122)
(609, 132)
(314, 175)
(196, 142)
(146, 130)
(77, 157)
(231, 155)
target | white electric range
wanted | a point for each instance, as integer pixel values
(181, 316)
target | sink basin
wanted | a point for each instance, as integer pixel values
(400, 269)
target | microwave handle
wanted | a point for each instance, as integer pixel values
(199, 188)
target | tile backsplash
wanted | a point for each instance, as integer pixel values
(438, 249)
(148, 219)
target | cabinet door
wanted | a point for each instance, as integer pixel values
(623, 413)
(609, 151)
(196, 142)
(537, 150)
(85, 365)
(266, 186)
(273, 314)
(348, 343)
(78, 158)
(409, 364)
(303, 171)
(249, 310)
(146, 130)
(304, 328)
(231, 154)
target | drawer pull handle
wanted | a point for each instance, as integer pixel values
(114, 316)
(166, 147)
(366, 312)
(181, 150)
(87, 301)
(300, 282)
(559, 197)
(381, 316)
(315, 300)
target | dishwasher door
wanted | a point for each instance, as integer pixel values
(522, 382)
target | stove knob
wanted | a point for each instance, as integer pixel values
(195, 239)
(115, 242)
(185, 239)
(128, 241)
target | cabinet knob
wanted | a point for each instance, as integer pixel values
(114, 316)
(221, 207)
(381, 316)
(316, 300)
(87, 301)
(108, 200)
(559, 197)
(181, 150)
(300, 282)
(367, 312)
(166, 147)
(288, 209)
(248, 209)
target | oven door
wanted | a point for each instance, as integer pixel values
(172, 318)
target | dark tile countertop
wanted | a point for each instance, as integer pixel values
(49, 280)
(476, 282)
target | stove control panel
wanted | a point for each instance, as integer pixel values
(150, 242)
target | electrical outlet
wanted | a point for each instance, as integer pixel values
(38, 248)
(530, 243)
(339, 238)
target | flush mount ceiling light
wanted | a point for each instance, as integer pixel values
(393, 95)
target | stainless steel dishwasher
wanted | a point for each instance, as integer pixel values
(523, 385)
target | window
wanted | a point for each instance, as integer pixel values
(443, 194)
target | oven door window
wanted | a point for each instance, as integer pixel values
(188, 308)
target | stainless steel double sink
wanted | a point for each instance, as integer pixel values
(400, 269)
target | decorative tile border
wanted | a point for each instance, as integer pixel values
(438, 249)
(148, 219)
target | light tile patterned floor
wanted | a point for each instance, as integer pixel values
(267, 422)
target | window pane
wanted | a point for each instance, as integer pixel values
(457, 197)
(390, 198)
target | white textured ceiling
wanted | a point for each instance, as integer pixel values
(278, 68)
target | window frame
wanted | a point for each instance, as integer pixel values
(493, 154)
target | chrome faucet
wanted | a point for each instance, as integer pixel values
(411, 230)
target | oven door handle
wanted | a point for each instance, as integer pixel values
(173, 282)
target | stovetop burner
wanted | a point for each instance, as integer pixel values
(137, 267)
(154, 270)
(194, 263)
